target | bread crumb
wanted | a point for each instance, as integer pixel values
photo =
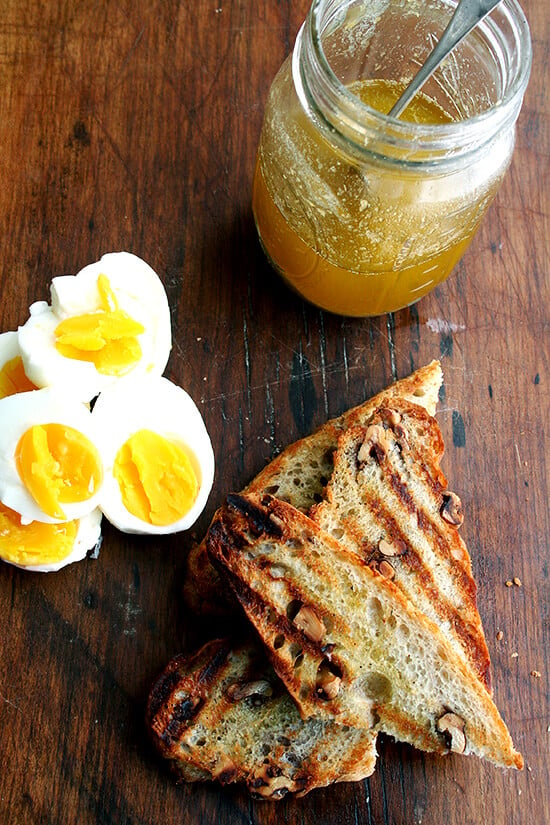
(500, 636)
(536, 674)
(509, 583)
(514, 655)
(517, 581)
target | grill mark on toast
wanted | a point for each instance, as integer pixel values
(469, 635)
(262, 613)
(177, 697)
(259, 519)
(432, 533)
(404, 490)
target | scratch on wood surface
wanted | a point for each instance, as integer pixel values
(247, 366)
(390, 326)
(10, 703)
(441, 325)
(517, 454)
(242, 445)
(270, 412)
(322, 354)
(130, 611)
(366, 785)
(345, 360)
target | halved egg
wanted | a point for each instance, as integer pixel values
(12, 373)
(109, 320)
(45, 548)
(157, 456)
(50, 467)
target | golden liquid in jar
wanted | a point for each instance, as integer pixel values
(358, 273)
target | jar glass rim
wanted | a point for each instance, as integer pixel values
(361, 119)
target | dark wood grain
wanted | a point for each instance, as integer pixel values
(133, 125)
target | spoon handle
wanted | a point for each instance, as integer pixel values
(466, 16)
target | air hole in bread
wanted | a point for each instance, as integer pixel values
(375, 611)
(279, 641)
(272, 489)
(378, 687)
(298, 661)
(337, 532)
(419, 393)
(278, 571)
(292, 609)
(294, 545)
(295, 650)
(328, 623)
(402, 631)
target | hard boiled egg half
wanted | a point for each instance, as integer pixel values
(51, 475)
(110, 319)
(157, 456)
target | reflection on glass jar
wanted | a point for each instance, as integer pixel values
(362, 213)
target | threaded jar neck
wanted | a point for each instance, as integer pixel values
(343, 41)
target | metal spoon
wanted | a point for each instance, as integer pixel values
(466, 16)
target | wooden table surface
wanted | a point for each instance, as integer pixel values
(133, 124)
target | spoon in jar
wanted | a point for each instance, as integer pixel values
(466, 16)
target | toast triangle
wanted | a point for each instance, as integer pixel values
(388, 501)
(346, 642)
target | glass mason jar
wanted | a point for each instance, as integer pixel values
(363, 213)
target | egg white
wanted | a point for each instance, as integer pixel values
(157, 404)
(139, 292)
(9, 347)
(17, 414)
(87, 539)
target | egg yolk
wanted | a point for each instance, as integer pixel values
(106, 337)
(58, 465)
(34, 543)
(13, 378)
(156, 479)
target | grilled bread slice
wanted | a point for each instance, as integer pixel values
(299, 474)
(346, 642)
(223, 714)
(388, 501)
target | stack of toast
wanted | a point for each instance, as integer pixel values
(344, 554)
